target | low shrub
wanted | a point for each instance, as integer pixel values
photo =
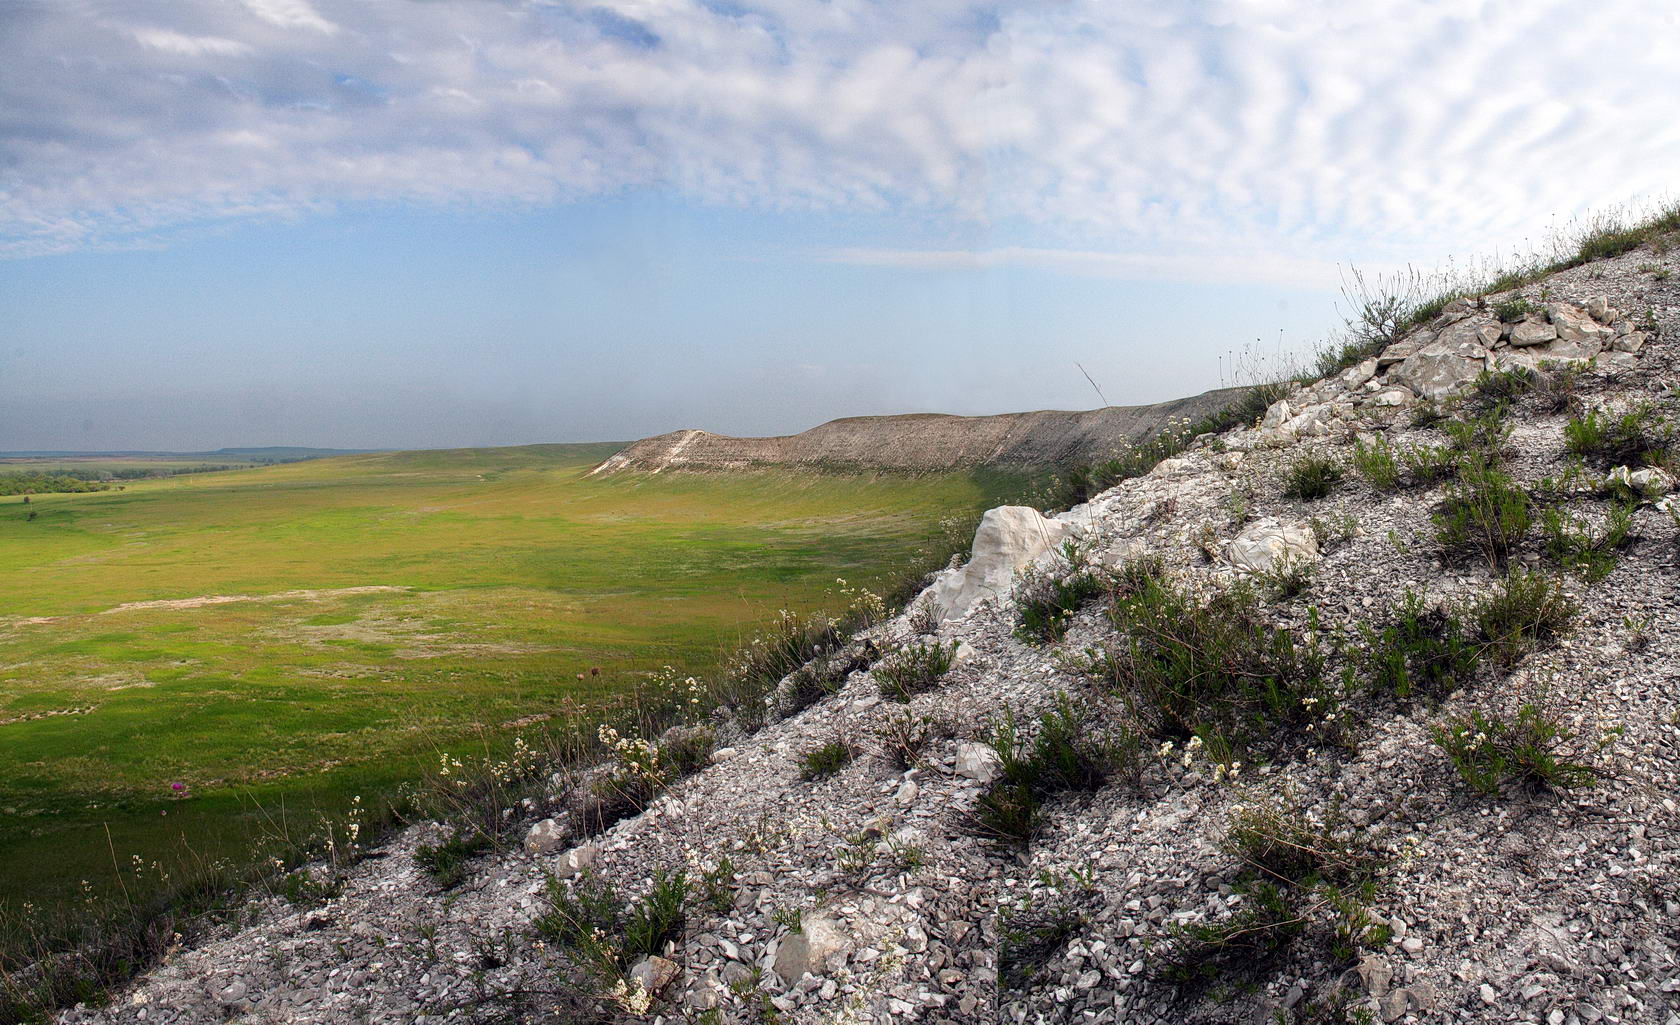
(1311, 478)
(1482, 436)
(1214, 668)
(1046, 599)
(446, 862)
(1421, 652)
(1491, 753)
(1577, 547)
(658, 918)
(1428, 465)
(914, 669)
(825, 759)
(1377, 463)
(1064, 755)
(1485, 514)
(1640, 436)
(1513, 309)
(1526, 611)
(1499, 388)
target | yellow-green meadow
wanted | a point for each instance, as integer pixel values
(189, 661)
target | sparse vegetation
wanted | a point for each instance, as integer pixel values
(1491, 753)
(1046, 599)
(1525, 611)
(1297, 876)
(1215, 668)
(1513, 308)
(1485, 514)
(914, 669)
(1377, 463)
(1640, 436)
(446, 862)
(1063, 755)
(1311, 478)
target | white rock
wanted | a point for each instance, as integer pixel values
(1530, 331)
(1009, 539)
(545, 837)
(818, 946)
(576, 860)
(1267, 545)
(1599, 309)
(1443, 367)
(977, 761)
(1276, 414)
(1573, 325)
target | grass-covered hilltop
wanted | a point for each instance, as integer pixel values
(1354, 702)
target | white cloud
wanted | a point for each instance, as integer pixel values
(190, 46)
(1190, 139)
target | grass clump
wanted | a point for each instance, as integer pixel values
(1526, 611)
(588, 921)
(1063, 756)
(903, 737)
(1579, 548)
(1514, 308)
(1485, 514)
(1378, 463)
(1214, 668)
(1311, 478)
(1423, 651)
(1297, 875)
(914, 669)
(446, 862)
(825, 759)
(1046, 600)
(1491, 752)
(1641, 436)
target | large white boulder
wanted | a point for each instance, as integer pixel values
(1009, 539)
(1268, 546)
(1444, 366)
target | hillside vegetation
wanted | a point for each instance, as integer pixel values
(1362, 709)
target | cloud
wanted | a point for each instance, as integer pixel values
(1197, 136)
(1225, 265)
(190, 46)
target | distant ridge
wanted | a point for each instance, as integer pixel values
(925, 441)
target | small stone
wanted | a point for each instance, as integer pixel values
(545, 837)
(1487, 994)
(1411, 945)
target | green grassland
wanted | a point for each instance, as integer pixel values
(278, 639)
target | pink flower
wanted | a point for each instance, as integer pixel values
(177, 787)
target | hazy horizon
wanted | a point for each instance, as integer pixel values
(379, 225)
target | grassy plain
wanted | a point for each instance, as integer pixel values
(278, 639)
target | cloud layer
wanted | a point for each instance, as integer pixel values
(1118, 132)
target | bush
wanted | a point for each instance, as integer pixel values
(1526, 611)
(1046, 600)
(1491, 753)
(1377, 463)
(447, 862)
(1639, 436)
(1513, 309)
(903, 737)
(1214, 668)
(1423, 651)
(1428, 465)
(1493, 389)
(1485, 513)
(825, 760)
(1063, 756)
(1311, 478)
(914, 669)
(658, 919)
(1296, 875)
(1577, 547)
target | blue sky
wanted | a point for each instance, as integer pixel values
(391, 223)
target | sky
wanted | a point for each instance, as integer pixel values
(434, 223)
